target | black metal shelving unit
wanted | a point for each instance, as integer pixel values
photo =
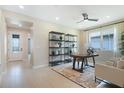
(61, 45)
(56, 48)
(70, 46)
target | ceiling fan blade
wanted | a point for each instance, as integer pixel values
(93, 19)
(80, 21)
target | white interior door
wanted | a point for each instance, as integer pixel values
(17, 45)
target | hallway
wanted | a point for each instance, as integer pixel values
(20, 75)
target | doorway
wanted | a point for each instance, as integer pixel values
(18, 45)
(18, 41)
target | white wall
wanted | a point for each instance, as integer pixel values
(39, 36)
(83, 41)
(105, 55)
(119, 28)
(0, 42)
(41, 31)
(3, 43)
(25, 35)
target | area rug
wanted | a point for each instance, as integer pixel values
(85, 79)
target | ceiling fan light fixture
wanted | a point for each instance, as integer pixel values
(85, 20)
(108, 16)
(57, 18)
(19, 25)
(21, 6)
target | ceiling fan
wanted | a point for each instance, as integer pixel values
(85, 15)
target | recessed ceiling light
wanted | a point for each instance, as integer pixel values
(108, 16)
(57, 18)
(19, 25)
(21, 6)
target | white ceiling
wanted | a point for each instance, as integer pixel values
(70, 14)
(11, 23)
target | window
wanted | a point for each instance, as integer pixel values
(108, 42)
(102, 39)
(15, 43)
(95, 40)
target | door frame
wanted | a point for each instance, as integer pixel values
(19, 29)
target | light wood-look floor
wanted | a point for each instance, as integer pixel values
(21, 75)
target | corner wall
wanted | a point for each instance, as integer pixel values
(40, 40)
(3, 44)
(83, 41)
(105, 55)
(39, 36)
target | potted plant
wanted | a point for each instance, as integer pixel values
(122, 44)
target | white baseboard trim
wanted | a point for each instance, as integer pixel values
(40, 66)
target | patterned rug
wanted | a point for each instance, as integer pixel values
(85, 79)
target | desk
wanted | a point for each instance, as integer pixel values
(83, 58)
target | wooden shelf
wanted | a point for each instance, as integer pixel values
(56, 40)
(68, 60)
(70, 47)
(57, 55)
(71, 35)
(70, 41)
(57, 61)
(56, 47)
(53, 32)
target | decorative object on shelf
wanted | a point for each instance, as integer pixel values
(73, 45)
(59, 52)
(90, 51)
(70, 52)
(53, 37)
(53, 53)
(60, 37)
(60, 44)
